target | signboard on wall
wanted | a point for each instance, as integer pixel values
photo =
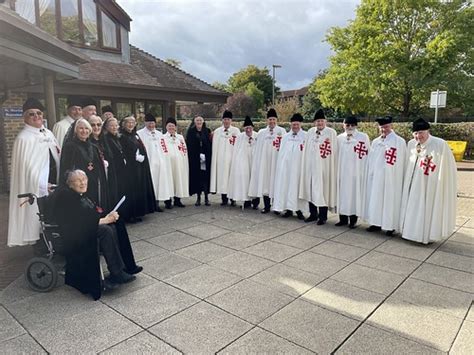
(13, 112)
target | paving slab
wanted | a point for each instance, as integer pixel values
(458, 248)
(242, 264)
(260, 231)
(205, 231)
(452, 261)
(167, 265)
(236, 241)
(142, 281)
(152, 304)
(298, 240)
(259, 341)
(201, 329)
(375, 341)
(442, 276)
(326, 231)
(272, 251)
(339, 250)
(23, 344)
(361, 240)
(310, 326)
(407, 249)
(10, 328)
(205, 252)
(437, 298)
(173, 241)
(250, 301)
(464, 343)
(423, 325)
(147, 230)
(463, 235)
(144, 250)
(203, 281)
(389, 263)
(16, 291)
(142, 343)
(315, 263)
(369, 279)
(285, 279)
(342, 298)
(470, 314)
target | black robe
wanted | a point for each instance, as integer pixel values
(199, 142)
(116, 172)
(141, 192)
(77, 154)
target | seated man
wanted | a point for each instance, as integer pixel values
(85, 232)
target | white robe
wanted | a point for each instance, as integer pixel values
(160, 163)
(384, 183)
(319, 168)
(222, 149)
(262, 179)
(241, 167)
(179, 164)
(29, 173)
(351, 169)
(428, 209)
(60, 129)
(288, 172)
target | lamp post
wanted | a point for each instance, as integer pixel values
(273, 82)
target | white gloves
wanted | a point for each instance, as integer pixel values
(139, 157)
(202, 158)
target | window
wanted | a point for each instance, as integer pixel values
(123, 110)
(70, 21)
(89, 20)
(109, 31)
(47, 16)
(26, 9)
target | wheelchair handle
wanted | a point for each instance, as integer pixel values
(29, 194)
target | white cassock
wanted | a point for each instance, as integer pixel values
(428, 209)
(351, 169)
(262, 179)
(319, 168)
(385, 172)
(223, 142)
(288, 171)
(240, 170)
(60, 129)
(160, 163)
(29, 173)
(179, 164)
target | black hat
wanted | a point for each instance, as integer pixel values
(73, 101)
(171, 120)
(88, 101)
(107, 108)
(32, 103)
(149, 117)
(296, 118)
(272, 113)
(319, 115)
(227, 114)
(248, 121)
(384, 120)
(420, 125)
(351, 120)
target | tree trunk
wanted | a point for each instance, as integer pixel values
(406, 103)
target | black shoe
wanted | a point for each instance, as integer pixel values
(122, 278)
(264, 210)
(320, 222)
(373, 229)
(232, 203)
(389, 233)
(277, 213)
(108, 285)
(168, 204)
(198, 203)
(340, 224)
(300, 215)
(352, 226)
(179, 204)
(135, 270)
(207, 203)
(224, 202)
(287, 214)
(311, 218)
(159, 209)
(247, 204)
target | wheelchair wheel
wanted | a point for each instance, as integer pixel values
(41, 274)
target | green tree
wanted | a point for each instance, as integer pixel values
(220, 86)
(252, 74)
(255, 93)
(395, 52)
(174, 62)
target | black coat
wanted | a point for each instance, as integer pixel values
(116, 172)
(141, 193)
(198, 142)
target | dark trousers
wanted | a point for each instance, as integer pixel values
(320, 212)
(352, 219)
(108, 246)
(267, 202)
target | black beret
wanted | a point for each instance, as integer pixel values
(384, 120)
(272, 113)
(107, 108)
(319, 115)
(88, 101)
(296, 118)
(351, 120)
(32, 103)
(171, 120)
(227, 114)
(73, 101)
(248, 121)
(149, 117)
(420, 125)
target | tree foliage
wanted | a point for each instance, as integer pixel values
(241, 104)
(174, 62)
(394, 53)
(260, 77)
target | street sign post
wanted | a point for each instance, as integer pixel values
(438, 99)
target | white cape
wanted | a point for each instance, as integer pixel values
(222, 149)
(288, 172)
(385, 172)
(160, 164)
(241, 167)
(351, 168)
(30, 168)
(60, 129)
(179, 164)
(319, 168)
(262, 179)
(428, 210)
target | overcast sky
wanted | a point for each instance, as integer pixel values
(214, 39)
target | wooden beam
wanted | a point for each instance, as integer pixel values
(48, 85)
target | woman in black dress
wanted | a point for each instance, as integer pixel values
(142, 196)
(199, 143)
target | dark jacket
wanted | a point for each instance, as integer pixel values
(198, 142)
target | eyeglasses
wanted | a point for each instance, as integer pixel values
(35, 113)
(96, 124)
